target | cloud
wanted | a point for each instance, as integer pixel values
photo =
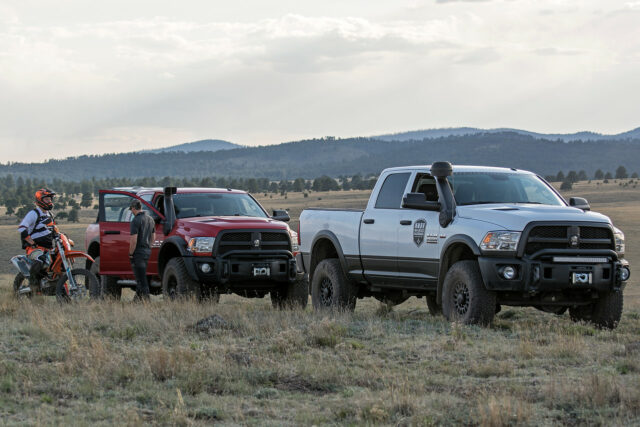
(553, 51)
(477, 57)
(462, 1)
(271, 77)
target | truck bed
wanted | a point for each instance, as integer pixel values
(344, 224)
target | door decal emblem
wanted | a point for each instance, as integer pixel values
(419, 227)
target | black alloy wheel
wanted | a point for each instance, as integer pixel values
(326, 292)
(461, 298)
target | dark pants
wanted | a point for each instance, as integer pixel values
(139, 267)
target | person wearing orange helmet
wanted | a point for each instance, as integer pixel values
(35, 234)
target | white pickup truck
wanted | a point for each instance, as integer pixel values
(469, 239)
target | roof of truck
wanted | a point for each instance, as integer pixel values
(180, 190)
(464, 168)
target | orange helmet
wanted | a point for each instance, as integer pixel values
(41, 194)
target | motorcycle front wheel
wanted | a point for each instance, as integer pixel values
(87, 286)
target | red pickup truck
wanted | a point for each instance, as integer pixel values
(208, 241)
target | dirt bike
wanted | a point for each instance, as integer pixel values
(59, 276)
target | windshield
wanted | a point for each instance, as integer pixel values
(474, 188)
(191, 205)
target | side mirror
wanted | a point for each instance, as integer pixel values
(281, 215)
(580, 203)
(419, 201)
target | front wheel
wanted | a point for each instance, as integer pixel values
(86, 286)
(176, 282)
(293, 295)
(464, 297)
(330, 288)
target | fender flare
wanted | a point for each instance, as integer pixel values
(452, 240)
(328, 235)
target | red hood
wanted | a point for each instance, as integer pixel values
(212, 225)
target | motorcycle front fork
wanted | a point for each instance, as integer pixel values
(70, 285)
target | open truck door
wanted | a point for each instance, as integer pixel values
(114, 218)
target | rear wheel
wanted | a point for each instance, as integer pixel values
(330, 288)
(176, 282)
(464, 297)
(86, 286)
(293, 295)
(605, 312)
(20, 285)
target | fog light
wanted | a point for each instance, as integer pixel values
(509, 272)
(206, 268)
(624, 274)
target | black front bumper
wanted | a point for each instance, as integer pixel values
(540, 273)
(235, 269)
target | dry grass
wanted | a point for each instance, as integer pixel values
(124, 363)
(120, 362)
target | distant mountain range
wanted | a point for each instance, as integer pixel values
(544, 154)
(203, 145)
(418, 135)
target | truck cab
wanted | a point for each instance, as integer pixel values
(209, 241)
(469, 239)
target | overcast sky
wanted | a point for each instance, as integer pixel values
(88, 77)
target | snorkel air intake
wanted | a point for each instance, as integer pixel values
(169, 211)
(440, 171)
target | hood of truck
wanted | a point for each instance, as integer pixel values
(212, 225)
(516, 216)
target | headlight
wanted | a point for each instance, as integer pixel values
(201, 245)
(500, 241)
(619, 236)
(294, 241)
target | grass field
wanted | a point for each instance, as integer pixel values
(118, 362)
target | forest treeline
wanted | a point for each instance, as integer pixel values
(17, 194)
(335, 157)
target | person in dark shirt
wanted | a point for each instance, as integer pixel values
(143, 235)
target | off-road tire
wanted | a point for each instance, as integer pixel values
(293, 295)
(176, 282)
(432, 305)
(605, 312)
(464, 297)
(17, 282)
(330, 288)
(92, 289)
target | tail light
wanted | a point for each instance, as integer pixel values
(299, 234)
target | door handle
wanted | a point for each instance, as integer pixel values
(112, 232)
(405, 222)
(369, 221)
